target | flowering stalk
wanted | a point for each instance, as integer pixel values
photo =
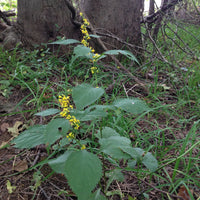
(67, 107)
(85, 42)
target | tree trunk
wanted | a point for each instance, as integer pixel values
(151, 12)
(42, 20)
(117, 17)
(151, 7)
(159, 20)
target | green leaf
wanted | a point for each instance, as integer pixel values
(56, 129)
(132, 105)
(88, 115)
(59, 164)
(128, 54)
(106, 133)
(113, 145)
(31, 137)
(65, 42)
(42, 134)
(139, 154)
(95, 36)
(131, 164)
(135, 153)
(150, 162)
(84, 95)
(115, 174)
(82, 51)
(48, 112)
(83, 171)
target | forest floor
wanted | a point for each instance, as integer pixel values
(31, 81)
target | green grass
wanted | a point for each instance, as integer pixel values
(171, 131)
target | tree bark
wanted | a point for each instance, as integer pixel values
(151, 7)
(167, 7)
(40, 21)
(117, 17)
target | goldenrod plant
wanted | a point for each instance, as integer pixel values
(80, 162)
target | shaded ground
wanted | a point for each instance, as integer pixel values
(14, 161)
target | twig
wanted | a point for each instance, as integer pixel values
(36, 158)
(154, 43)
(44, 193)
(110, 35)
(125, 90)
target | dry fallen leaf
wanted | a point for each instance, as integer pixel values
(10, 188)
(20, 166)
(17, 128)
(182, 192)
(4, 127)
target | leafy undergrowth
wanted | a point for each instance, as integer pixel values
(164, 128)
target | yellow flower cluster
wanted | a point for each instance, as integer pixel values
(85, 42)
(84, 31)
(95, 57)
(70, 136)
(83, 147)
(65, 104)
(94, 70)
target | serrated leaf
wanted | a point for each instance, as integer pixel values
(126, 53)
(135, 153)
(59, 164)
(88, 115)
(139, 154)
(82, 51)
(65, 42)
(43, 134)
(83, 171)
(131, 164)
(113, 145)
(106, 133)
(150, 162)
(132, 105)
(56, 129)
(48, 112)
(31, 137)
(84, 95)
